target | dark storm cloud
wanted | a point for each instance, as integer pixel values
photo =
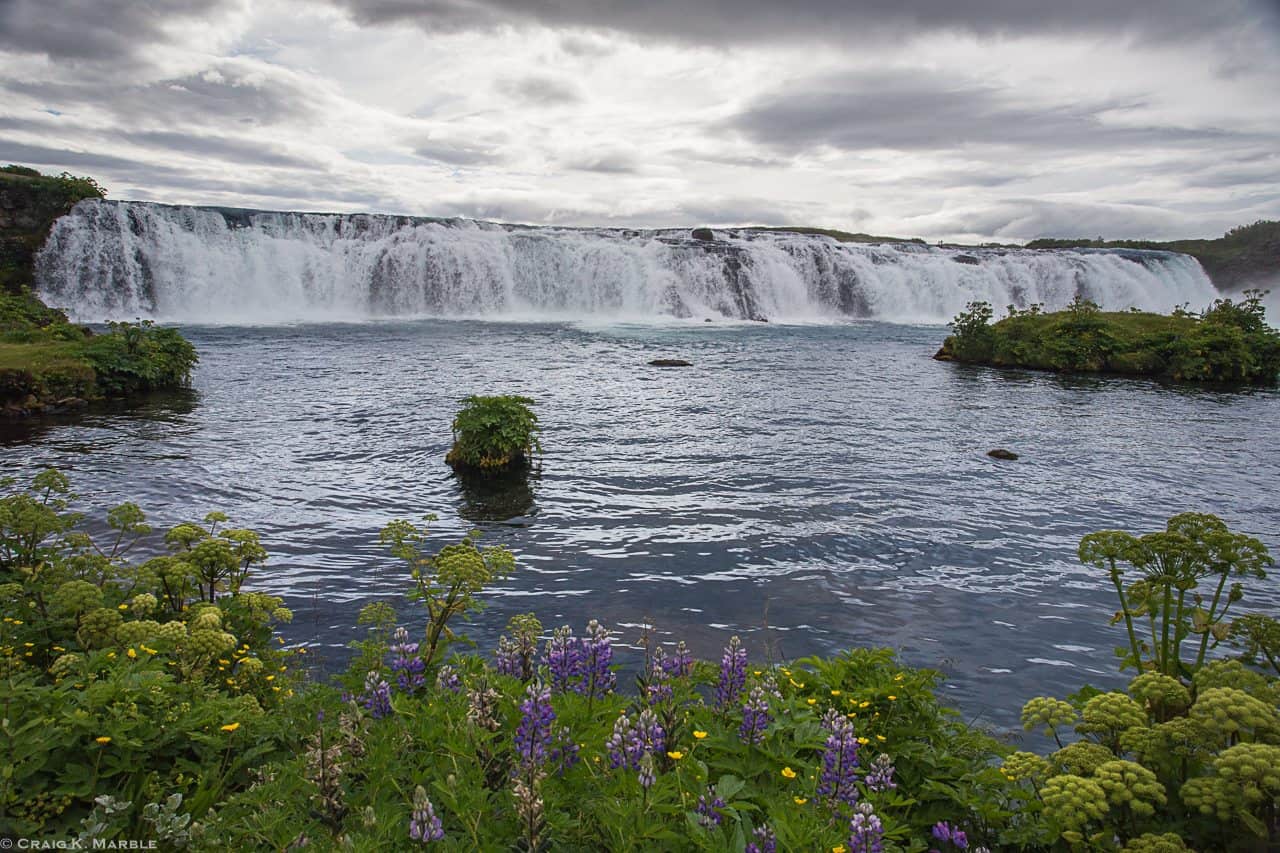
(542, 91)
(96, 30)
(40, 155)
(921, 110)
(733, 21)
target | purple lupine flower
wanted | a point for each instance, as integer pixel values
(838, 781)
(408, 667)
(533, 735)
(657, 687)
(733, 674)
(880, 775)
(866, 833)
(633, 739)
(945, 832)
(508, 657)
(763, 841)
(447, 679)
(564, 658)
(597, 657)
(376, 696)
(424, 825)
(679, 664)
(755, 717)
(708, 808)
(564, 752)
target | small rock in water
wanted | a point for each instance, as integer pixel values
(702, 234)
(1001, 453)
(758, 318)
(707, 320)
(670, 362)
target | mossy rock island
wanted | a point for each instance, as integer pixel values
(1229, 342)
(47, 363)
(494, 434)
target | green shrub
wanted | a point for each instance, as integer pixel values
(493, 433)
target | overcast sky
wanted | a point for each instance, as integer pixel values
(990, 120)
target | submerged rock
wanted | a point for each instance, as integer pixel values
(1001, 453)
(702, 234)
(670, 362)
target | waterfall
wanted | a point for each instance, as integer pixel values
(121, 260)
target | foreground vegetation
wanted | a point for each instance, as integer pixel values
(46, 362)
(1230, 342)
(150, 699)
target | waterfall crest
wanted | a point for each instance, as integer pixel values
(121, 260)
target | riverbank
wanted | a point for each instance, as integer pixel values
(48, 364)
(1228, 343)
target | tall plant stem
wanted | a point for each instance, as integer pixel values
(1213, 611)
(1128, 617)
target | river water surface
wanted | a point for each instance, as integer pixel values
(809, 487)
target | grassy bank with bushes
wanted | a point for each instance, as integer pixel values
(1230, 342)
(152, 699)
(46, 362)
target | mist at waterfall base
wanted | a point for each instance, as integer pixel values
(830, 481)
(122, 260)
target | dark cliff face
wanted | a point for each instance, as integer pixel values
(28, 206)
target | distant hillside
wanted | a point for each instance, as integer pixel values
(1247, 256)
(839, 236)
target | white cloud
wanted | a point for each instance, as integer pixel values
(978, 130)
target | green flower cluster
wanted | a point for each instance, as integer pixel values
(98, 627)
(143, 604)
(1025, 765)
(1081, 758)
(1049, 712)
(203, 642)
(1132, 785)
(1072, 801)
(1232, 673)
(1231, 713)
(75, 597)
(1159, 691)
(1149, 842)
(1111, 713)
(138, 631)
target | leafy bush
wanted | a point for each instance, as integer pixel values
(1191, 750)
(133, 679)
(493, 433)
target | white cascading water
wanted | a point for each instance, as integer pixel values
(121, 260)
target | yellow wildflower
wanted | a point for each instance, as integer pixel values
(271, 678)
(864, 704)
(835, 692)
(699, 735)
(880, 738)
(864, 740)
(132, 654)
(839, 848)
(788, 773)
(675, 755)
(123, 607)
(104, 740)
(812, 701)
(800, 801)
(757, 672)
(893, 698)
(230, 727)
